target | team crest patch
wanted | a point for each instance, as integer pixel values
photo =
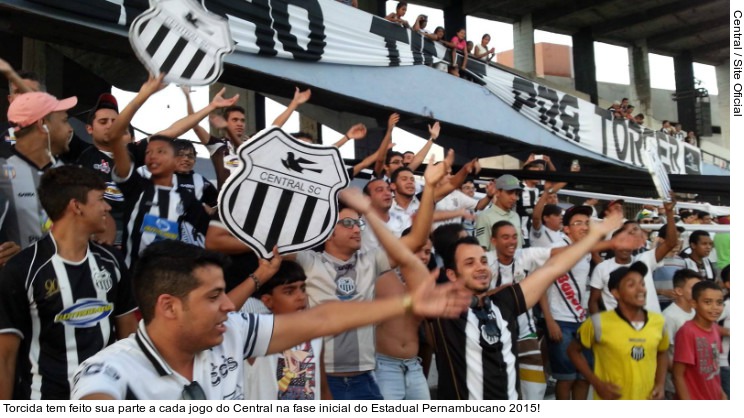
(183, 40)
(102, 280)
(637, 353)
(284, 193)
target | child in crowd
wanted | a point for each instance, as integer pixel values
(294, 374)
(679, 312)
(698, 346)
(725, 323)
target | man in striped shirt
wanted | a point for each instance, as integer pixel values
(64, 298)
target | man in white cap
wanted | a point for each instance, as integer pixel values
(41, 130)
(506, 196)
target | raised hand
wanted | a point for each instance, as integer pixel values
(357, 131)
(217, 121)
(434, 131)
(268, 268)
(435, 172)
(354, 199)
(393, 120)
(153, 84)
(442, 301)
(219, 102)
(301, 97)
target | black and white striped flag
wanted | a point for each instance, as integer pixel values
(183, 40)
(283, 193)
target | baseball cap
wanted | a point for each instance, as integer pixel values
(30, 107)
(619, 273)
(610, 204)
(105, 101)
(507, 182)
(644, 214)
(576, 210)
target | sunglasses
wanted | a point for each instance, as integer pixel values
(646, 222)
(193, 392)
(350, 222)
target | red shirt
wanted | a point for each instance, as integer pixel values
(699, 349)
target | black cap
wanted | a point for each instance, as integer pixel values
(608, 205)
(663, 230)
(105, 101)
(619, 274)
(576, 210)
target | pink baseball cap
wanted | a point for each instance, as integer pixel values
(30, 107)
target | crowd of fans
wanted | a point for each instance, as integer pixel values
(114, 272)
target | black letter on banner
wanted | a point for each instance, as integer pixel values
(256, 12)
(621, 153)
(429, 51)
(571, 122)
(638, 144)
(662, 149)
(392, 33)
(606, 116)
(547, 115)
(280, 13)
(524, 94)
(674, 149)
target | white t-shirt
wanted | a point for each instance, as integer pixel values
(674, 318)
(396, 224)
(291, 375)
(567, 296)
(526, 260)
(407, 213)
(331, 279)
(544, 237)
(454, 201)
(134, 369)
(601, 277)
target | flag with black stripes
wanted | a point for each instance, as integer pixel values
(183, 40)
(284, 193)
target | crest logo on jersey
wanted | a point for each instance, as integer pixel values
(637, 353)
(102, 280)
(85, 313)
(283, 193)
(183, 40)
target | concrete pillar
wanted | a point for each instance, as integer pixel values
(253, 103)
(454, 19)
(640, 78)
(723, 74)
(312, 127)
(585, 70)
(524, 45)
(684, 79)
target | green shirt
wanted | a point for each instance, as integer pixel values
(488, 218)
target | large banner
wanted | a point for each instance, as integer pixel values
(331, 32)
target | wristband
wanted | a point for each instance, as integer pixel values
(257, 283)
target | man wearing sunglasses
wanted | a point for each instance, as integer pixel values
(190, 346)
(477, 352)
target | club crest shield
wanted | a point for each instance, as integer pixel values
(283, 193)
(181, 39)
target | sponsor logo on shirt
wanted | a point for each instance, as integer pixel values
(9, 171)
(113, 192)
(52, 287)
(103, 167)
(85, 313)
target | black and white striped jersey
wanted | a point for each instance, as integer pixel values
(475, 361)
(22, 219)
(63, 312)
(160, 212)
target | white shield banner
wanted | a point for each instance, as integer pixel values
(183, 40)
(283, 193)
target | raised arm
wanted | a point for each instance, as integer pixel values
(200, 132)
(183, 125)
(550, 188)
(537, 283)
(265, 271)
(424, 217)
(384, 145)
(356, 132)
(421, 155)
(671, 233)
(299, 98)
(122, 160)
(7, 70)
